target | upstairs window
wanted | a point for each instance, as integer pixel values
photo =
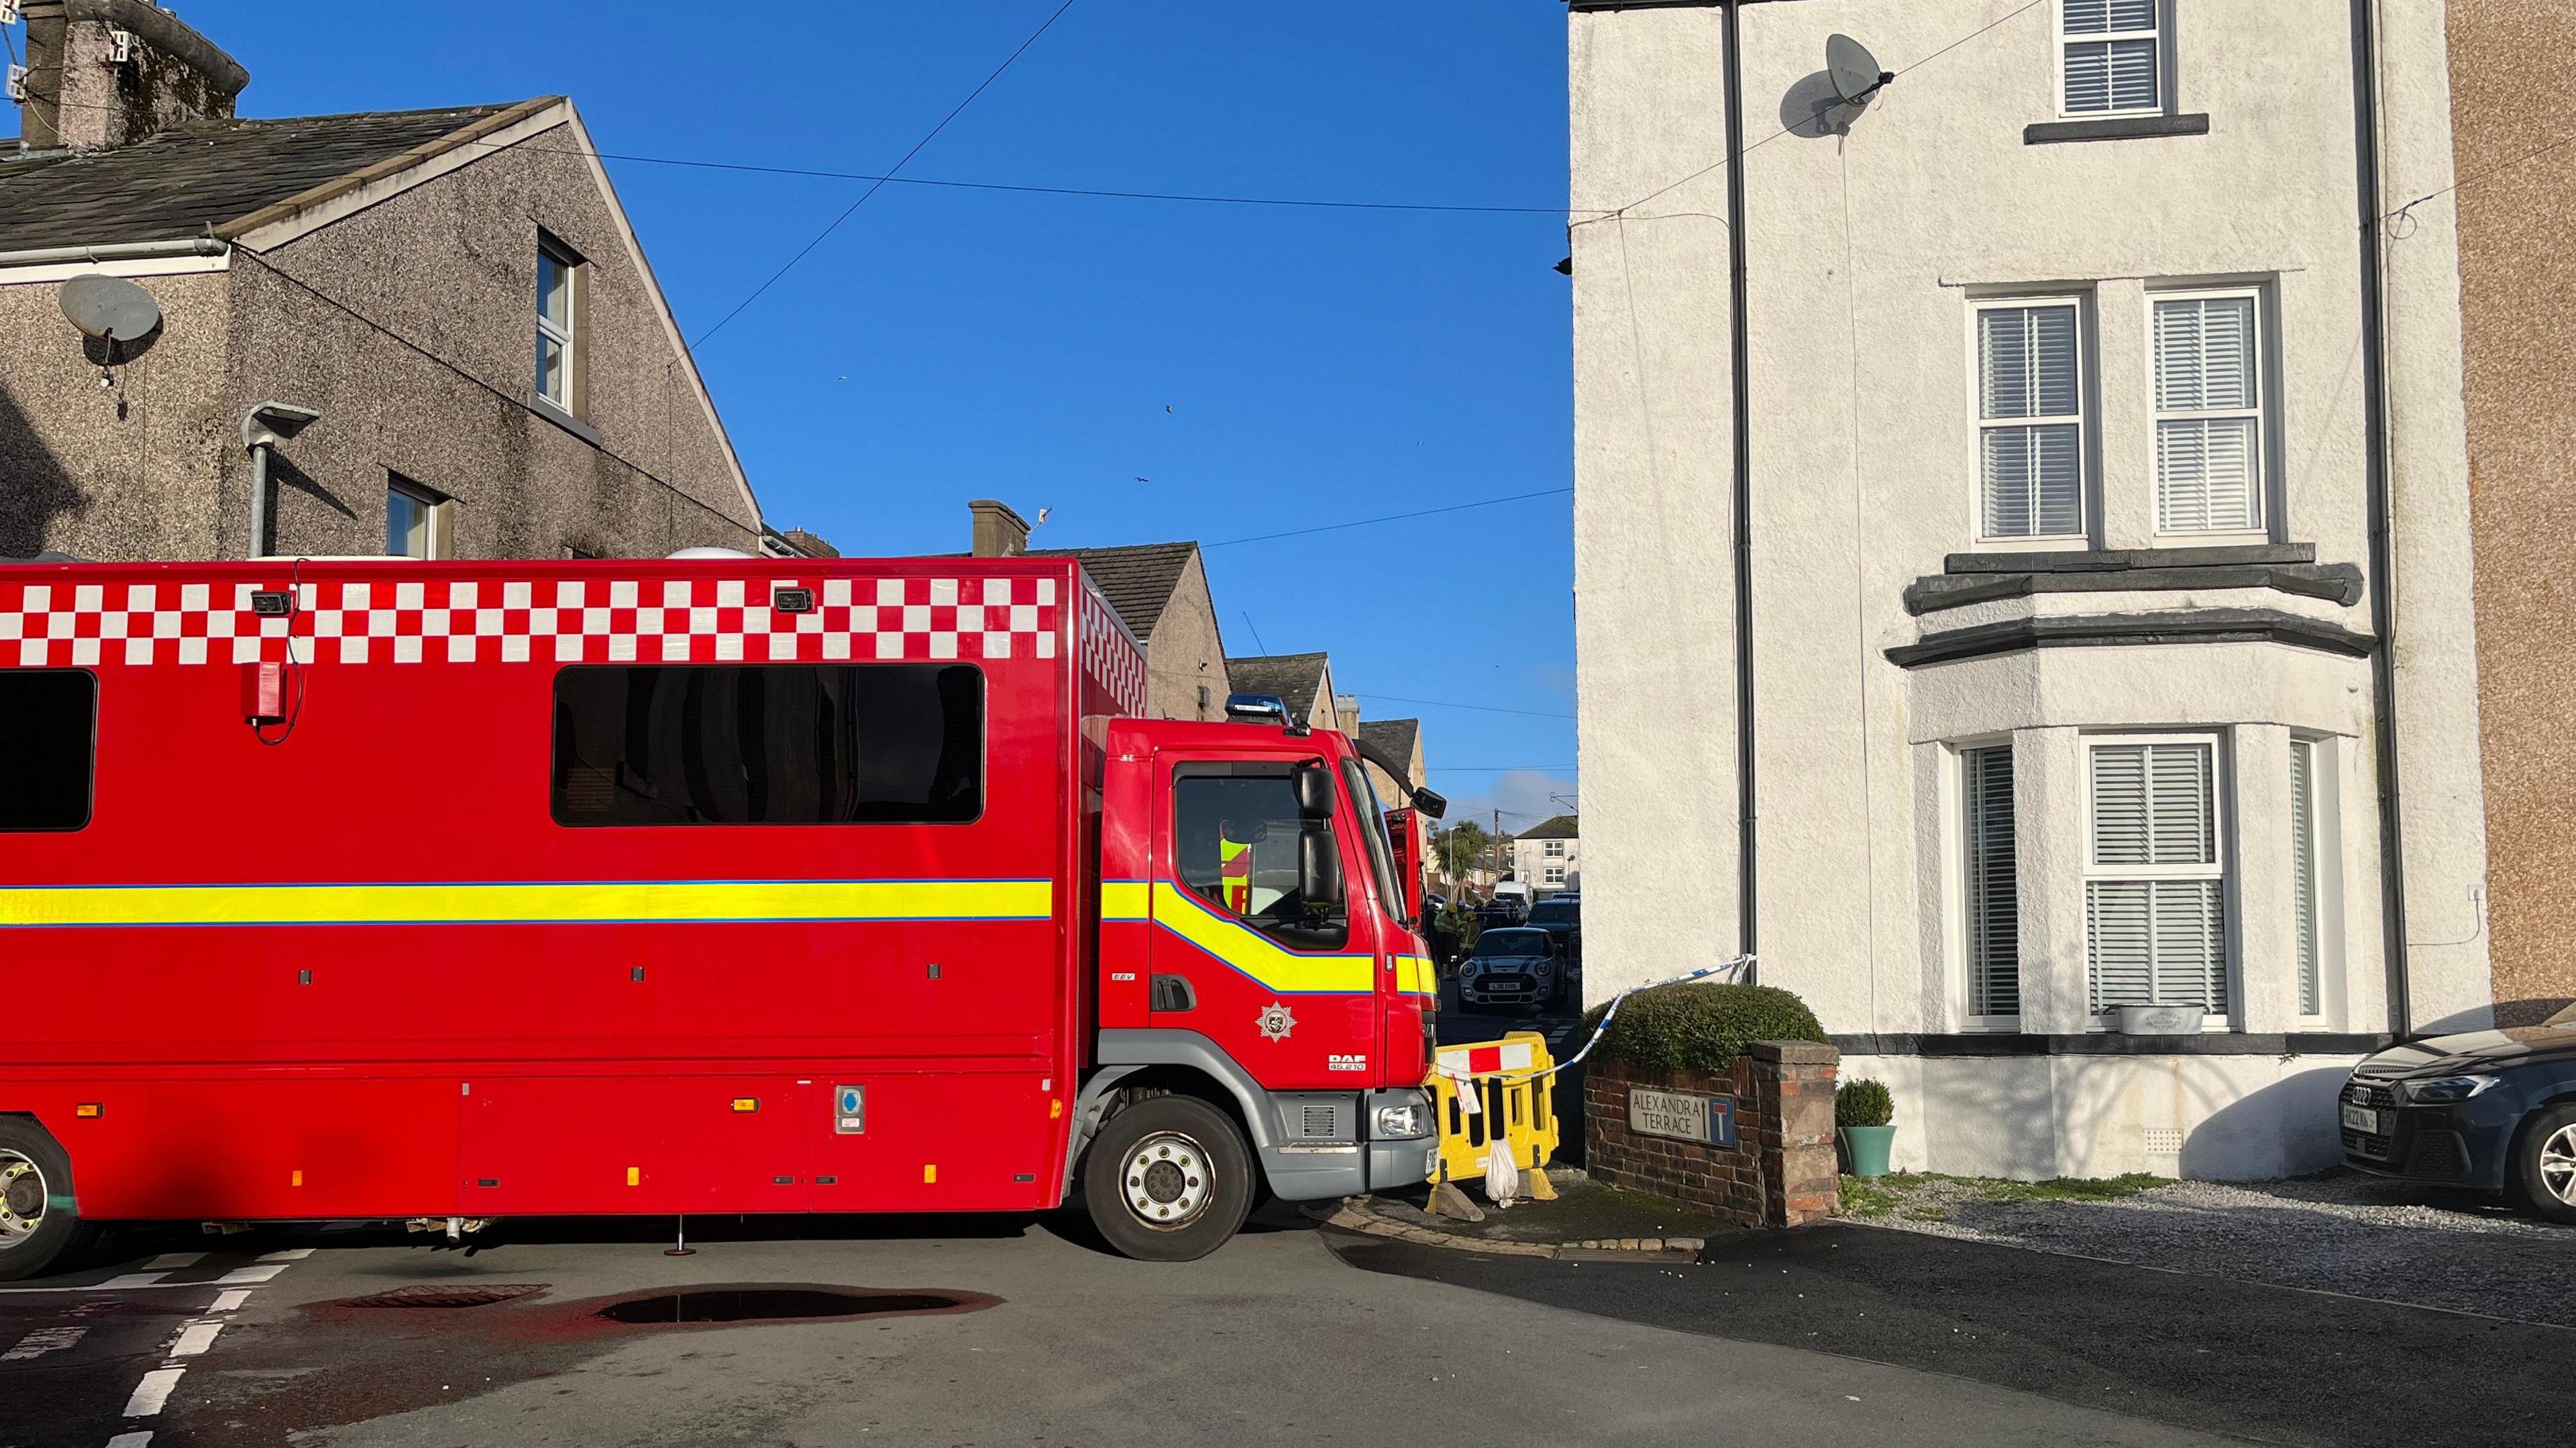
(2155, 881)
(559, 363)
(2112, 57)
(1555, 849)
(2030, 420)
(2209, 414)
(418, 520)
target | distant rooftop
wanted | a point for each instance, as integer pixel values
(1138, 577)
(1297, 678)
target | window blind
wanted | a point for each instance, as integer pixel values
(2154, 911)
(2030, 400)
(2303, 870)
(2209, 418)
(1993, 897)
(2113, 52)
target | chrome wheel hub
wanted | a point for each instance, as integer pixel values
(1166, 1181)
(22, 1199)
(2558, 1164)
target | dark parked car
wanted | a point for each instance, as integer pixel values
(2491, 1110)
(1562, 917)
(1512, 966)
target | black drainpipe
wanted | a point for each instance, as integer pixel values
(1748, 823)
(2383, 603)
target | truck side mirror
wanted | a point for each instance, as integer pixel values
(1319, 869)
(1314, 792)
(1431, 803)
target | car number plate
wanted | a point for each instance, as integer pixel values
(2362, 1118)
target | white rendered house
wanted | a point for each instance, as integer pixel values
(2078, 496)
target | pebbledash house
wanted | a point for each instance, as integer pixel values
(2023, 552)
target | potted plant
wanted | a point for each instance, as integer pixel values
(1862, 1110)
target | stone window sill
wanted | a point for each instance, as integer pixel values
(564, 420)
(2114, 128)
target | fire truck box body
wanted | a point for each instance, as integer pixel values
(357, 889)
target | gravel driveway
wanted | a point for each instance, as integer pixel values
(2341, 1232)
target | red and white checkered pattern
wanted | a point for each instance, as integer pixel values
(1110, 654)
(699, 620)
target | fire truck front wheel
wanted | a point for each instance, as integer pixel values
(1169, 1179)
(39, 1231)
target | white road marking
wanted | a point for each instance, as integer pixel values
(134, 1279)
(42, 1341)
(229, 1301)
(118, 1285)
(129, 1440)
(291, 1254)
(195, 1338)
(241, 1275)
(174, 1261)
(152, 1392)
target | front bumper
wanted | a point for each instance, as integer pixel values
(1535, 993)
(2450, 1143)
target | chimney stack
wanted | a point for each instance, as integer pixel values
(999, 532)
(104, 73)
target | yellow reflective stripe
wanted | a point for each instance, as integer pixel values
(1126, 900)
(1414, 974)
(584, 902)
(1253, 953)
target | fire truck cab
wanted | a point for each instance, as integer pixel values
(386, 889)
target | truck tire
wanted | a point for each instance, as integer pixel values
(1169, 1179)
(39, 1232)
(2544, 1164)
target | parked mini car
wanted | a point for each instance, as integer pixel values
(2491, 1110)
(1512, 966)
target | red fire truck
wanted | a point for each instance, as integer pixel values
(387, 889)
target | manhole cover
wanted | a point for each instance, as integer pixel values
(756, 1304)
(479, 1295)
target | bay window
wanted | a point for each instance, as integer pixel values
(2155, 877)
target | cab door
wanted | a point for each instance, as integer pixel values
(1285, 985)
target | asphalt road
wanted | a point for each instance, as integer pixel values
(1007, 1331)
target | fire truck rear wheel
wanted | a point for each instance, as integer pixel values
(1169, 1179)
(39, 1232)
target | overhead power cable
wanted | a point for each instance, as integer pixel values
(1389, 518)
(1720, 163)
(1454, 704)
(898, 166)
(1201, 198)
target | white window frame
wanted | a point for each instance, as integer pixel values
(2162, 35)
(567, 335)
(2266, 500)
(1554, 849)
(1978, 422)
(1553, 875)
(437, 523)
(1962, 862)
(2222, 866)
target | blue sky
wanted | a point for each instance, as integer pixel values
(1260, 369)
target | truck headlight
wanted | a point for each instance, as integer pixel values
(2450, 1088)
(1400, 1123)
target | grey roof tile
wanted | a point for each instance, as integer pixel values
(1138, 577)
(1296, 678)
(189, 178)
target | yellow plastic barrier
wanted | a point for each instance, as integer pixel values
(1513, 1093)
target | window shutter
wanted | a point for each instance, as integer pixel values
(2119, 939)
(1994, 904)
(2028, 367)
(2156, 941)
(2111, 74)
(2208, 469)
(2303, 870)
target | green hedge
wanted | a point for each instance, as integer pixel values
(1701, 1027)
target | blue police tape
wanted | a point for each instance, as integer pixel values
(1731, 968)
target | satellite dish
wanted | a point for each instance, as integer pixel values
(1855, 71)
(109, 308)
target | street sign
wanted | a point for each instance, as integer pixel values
(1709, 1119)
